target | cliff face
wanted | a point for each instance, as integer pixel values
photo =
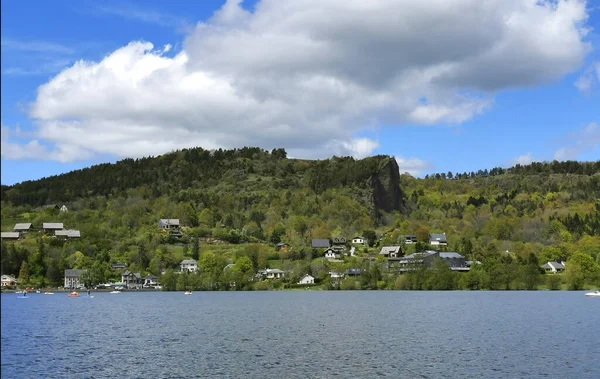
(386, 193)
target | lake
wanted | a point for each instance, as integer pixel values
(300, 334)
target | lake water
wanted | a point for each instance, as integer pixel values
(295, 334)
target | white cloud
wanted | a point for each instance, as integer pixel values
(135, 13)
(34, 150)
(35, 46)
(310, 75)
(579, 142)
(524, 159)
(413, 166)
(588, 78)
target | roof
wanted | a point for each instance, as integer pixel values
(272, 270)
(451, 255)
(339, 241)
(319, 242)
(118, 265)
(52, 225)
(135, 274)
(73, 272)
(557, 265)
(188, 262)
(50, 206)
(10, 235)
(68, 233)
(168, 221)
(150, 277)
(390, 249)
(354, 271)
(22, 226)
(307, 276)
(281, 244)
(437, 237)
(9, 277)
(358, 238)
(410, 236)
(424, 254)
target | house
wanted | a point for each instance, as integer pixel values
(410, 239)
(8, 281)
(67, 233)
(10, 235)
(554, 267)
(454, 260)
(132, 279)
(391, 251)
(438, 239)
(331, 254)
(341, 241)
(22, 227)
(307, 279)
(150, 281)
(118, 266)
(64, 209)
(269, 273)
(359, 240)
(168, 223)
(336, 275)
(52, 226)
(354, 272)
(72, 278)
(282, 246)
(189, 265)
(319, 243)
(50, 206)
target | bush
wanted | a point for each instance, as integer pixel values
(553, 282)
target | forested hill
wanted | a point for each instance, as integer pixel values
(189, 173)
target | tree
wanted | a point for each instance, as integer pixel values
(24, 273)
(422, 234)
(370, 236)
(196, 248)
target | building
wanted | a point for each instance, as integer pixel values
(22, 227)
(354, 272)
(358, 240)
(8, 281)
(331, 254)
(10, 235)
(307, 279)
(168, 223)
(63, 209)
(410, 239)
(391, 251)
(336, 275)
(189, 265)
(68, 233)
(49, 227)
(319, 243)
(72, 278)
(282, 246)
(554, 267)
(438, 239)
(269, 273)
(454, 260)
(132, 280)
(150, 281)
(118, 266)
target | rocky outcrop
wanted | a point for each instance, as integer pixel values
(386, 193)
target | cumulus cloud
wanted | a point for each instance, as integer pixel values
(310, 76)
(413, 166)
(579, 142)
(34, 150)
(524, 159)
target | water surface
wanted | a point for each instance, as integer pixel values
(295, 334)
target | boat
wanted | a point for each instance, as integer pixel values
(48, 293)
(73, 294)
(115, 291)
(187, 293)
(593, 294)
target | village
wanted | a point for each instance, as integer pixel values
(393, 258)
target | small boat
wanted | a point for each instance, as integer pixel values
(115, 291)
(593, 294)
(48, 293)
(187, 293)
(73, 294)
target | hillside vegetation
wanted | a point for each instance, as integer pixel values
(234, 205)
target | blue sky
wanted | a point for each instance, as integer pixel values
(90, 82)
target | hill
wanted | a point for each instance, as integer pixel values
(249, 199)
